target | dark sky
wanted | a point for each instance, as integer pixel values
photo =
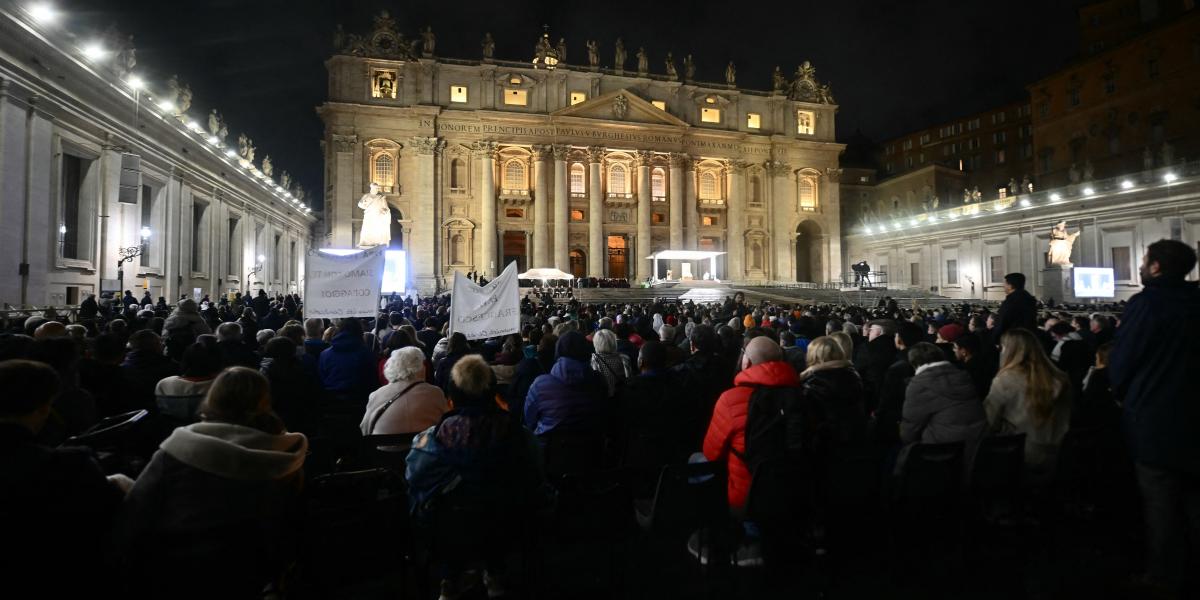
(893, 66)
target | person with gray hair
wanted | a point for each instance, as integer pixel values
(406, 404)
(314, 330)
(612, 365)
(234, 352)
(263, 335)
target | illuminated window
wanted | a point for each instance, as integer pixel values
(515, 97)
(514, 175)
(806, 120)
(1003, 192)
(577, 179)
(514, 213)
(710, 115)
(708, 186)
(753, 120)
(708, 221)
(618, 181)
(808, 193)
(658, 218)
(458, 93)
(383, 84)
(576, 215)
(514, 80)
(658, 183)
(659, 104)
(577, 97)
(384, 172)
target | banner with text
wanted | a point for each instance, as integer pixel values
(340, 286)
(488, 311)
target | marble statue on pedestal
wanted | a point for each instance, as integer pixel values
(689, 68)
(377, 219)
(1012, 186)
(428, 41)
(643, 62)
(561, 50)
(267, 168)
(730, 74)
(1061, 243)
(672, 74)
(1073, 173)
(593, 51)
(488, 46)
(778, 81)
(619, 56)
(1026, 185)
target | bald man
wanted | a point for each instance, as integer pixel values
(50, 329)
(762, 366)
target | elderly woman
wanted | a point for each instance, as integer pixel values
(610, 364)
(406, 404)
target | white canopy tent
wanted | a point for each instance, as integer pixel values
(686, 255)
(545, 274)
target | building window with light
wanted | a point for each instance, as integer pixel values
(383, 84)
(618, 180)
(709, 189)
(753, 121)
(514, 176)
(383, 171)
(515, 97)
(808, 193)
(78, 194)
(578, 179)
(806, 123)
(578, 97)
(658, 183)
(659, 104)
(709, 114)
(458, 94)
(577, 215)
(148, 200)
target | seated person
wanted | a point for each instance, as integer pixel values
(406, 404)
(179, 396)
(219, 498)
(52, 500)
(480, 463)
(940, 403)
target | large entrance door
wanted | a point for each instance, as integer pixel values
(618, 257)
(397, 230)
(514, 250)
(808, 253)
(578, 263)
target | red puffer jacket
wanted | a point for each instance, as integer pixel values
(727, 430)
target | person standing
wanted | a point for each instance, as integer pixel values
(1019, 308)
(1151, 367)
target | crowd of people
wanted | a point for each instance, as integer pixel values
(238, 392)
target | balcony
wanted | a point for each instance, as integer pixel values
(711, 204)
(514, 197)
(620, 199)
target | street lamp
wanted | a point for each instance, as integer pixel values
(129, 253)
(254, 271)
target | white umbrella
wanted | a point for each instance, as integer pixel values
(545, 274)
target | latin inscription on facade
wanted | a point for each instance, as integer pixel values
(601, 135)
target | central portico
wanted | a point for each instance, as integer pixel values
(586, 169)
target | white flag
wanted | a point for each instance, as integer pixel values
(337, 287)
(488, 311)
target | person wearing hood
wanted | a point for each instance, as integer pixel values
(571, 395)
(220, 498)
(940, 404)
(348, 369)
(483, 466)
(181, 328)
(830, 381)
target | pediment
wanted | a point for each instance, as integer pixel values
(621, 105)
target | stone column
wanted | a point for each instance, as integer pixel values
(541, 237)
(690, 208)
(595, 213)
(643, 246)
(735, 243)
(676, 206)
(487, 189)
(829, 203)
(562, 201)
(782, 235)
(421, 243)
(341, 211)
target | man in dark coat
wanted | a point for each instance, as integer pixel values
(1153, 368)
(144, 367)
(702, 378)
(874, 358)
(261, 304)
(895, 381)
(571, 395)
(234, 351)
(1019, 308)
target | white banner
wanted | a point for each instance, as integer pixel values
(336, 286)
(489, 311)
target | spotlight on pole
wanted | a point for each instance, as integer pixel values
(136, 83)
(94, 51)
(43, 13)
(1169, 177)
(1087, 191)
(1127, 184)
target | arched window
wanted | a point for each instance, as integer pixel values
(458, 249)
(384, 172)
(618, 183)
(658, 183)
(708, 186)
(458, 174)
(808, 193)
(755, 189)
(514, 175)
(577, 179)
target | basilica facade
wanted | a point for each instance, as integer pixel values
(586, 168)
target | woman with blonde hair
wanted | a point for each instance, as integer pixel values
(844, 340)
(831, 382)
(1030, 395)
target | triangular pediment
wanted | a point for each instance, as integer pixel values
(621, 105)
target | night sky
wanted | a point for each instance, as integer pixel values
(893, 66)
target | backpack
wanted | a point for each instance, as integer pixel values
(781, 424)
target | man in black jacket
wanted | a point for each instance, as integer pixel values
(895, 381)
(56, 502)
(702, 378)
(1153, 368)
(1019, 308)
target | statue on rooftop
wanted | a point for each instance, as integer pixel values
(214, 122)
(561, 50)
(1026, 185)
(285, 180)
(1012, 187)
(127, 57)
(488, 46)
(593, 51)
(1088, 171)
(976, 197)
(778, 81)
(643, 62)
(689, 68)
(243, 144)
(185, 100)
(730, 74)
(267, 168)
(1061, 243)
(672, 74)
(428, 41)
(339, 38)
(1073, 174)
(619, 56)
(1147, 159)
